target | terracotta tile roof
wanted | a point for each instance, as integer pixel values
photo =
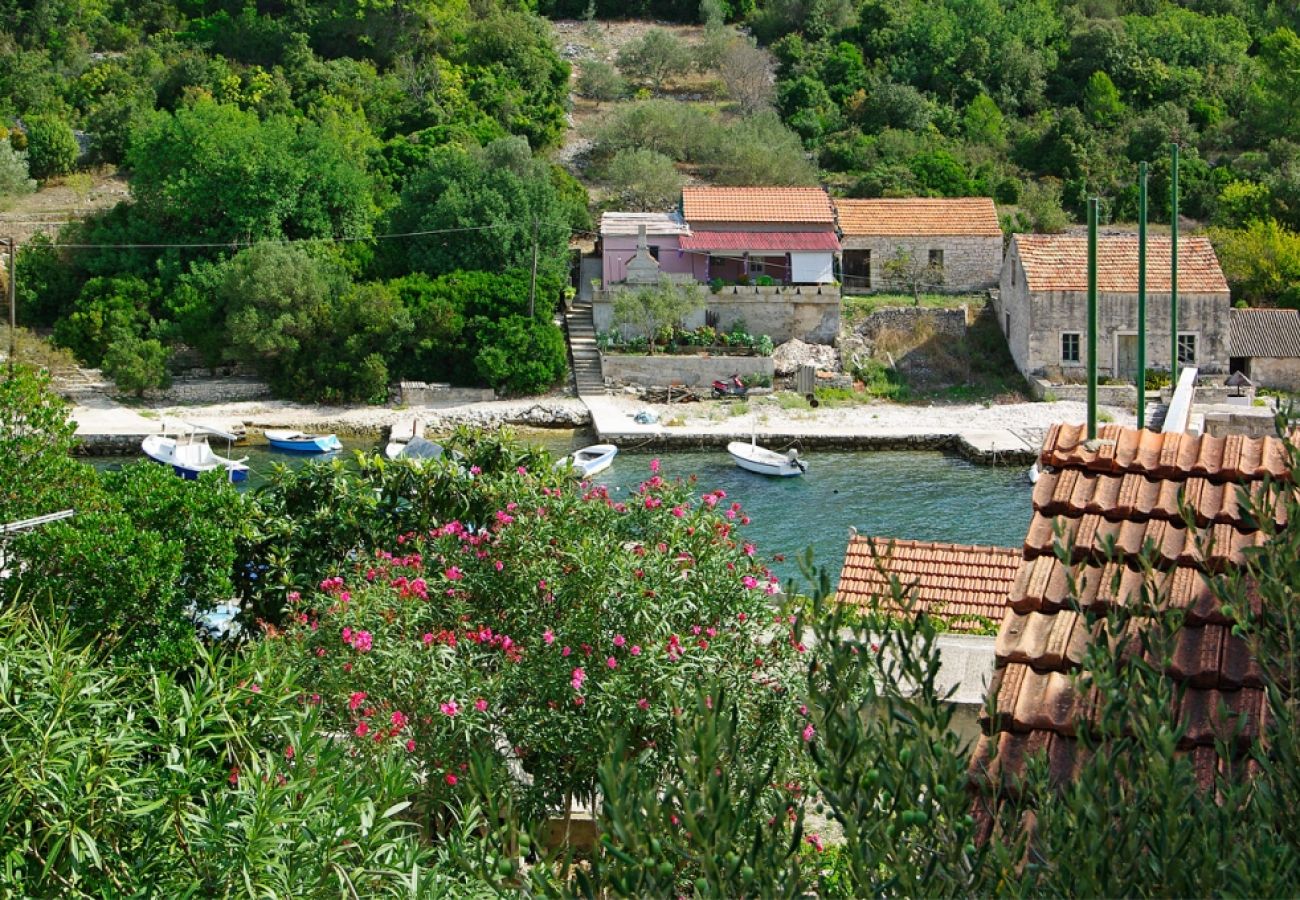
(1265, 332)
(1119, 504)
(1059, 262)
(919, 217)
(757, 204)
(751, 241)
(965, 585)
(1179, 456)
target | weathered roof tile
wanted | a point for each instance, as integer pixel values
(919, 217)
(1059, 262)
(802, 205)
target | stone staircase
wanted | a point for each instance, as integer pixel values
(1156, 413)
(587, 374)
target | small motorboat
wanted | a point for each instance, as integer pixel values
(762, 461)
(590, 460)
(190, 456)
(298, 442)
(418, 448)
(402, 433)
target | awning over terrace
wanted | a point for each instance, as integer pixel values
(761, 242)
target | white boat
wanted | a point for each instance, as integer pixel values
(419, 448)
(298, 442)
(402, 432)
(590, 460)
(754, 458)
(190, 456)
(1035, 473)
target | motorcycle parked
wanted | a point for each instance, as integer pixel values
(732, 387)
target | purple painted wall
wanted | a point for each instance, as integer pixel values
(617, 250)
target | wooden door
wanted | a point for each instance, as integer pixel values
(1126, 357)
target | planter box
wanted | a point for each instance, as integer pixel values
(690, 371)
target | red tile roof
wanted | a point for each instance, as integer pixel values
(1120, 503)
(757, 204)
(967, 586)
(762, 241)
(919, 217)
(1059, 262)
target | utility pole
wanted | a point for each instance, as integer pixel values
(1092, 318)
(11, 280)
(1173, 268)
(1142, 297)
(532, 281)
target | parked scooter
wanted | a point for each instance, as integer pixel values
(732, 387)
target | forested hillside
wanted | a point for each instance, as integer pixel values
(403, 153)
(327, 125)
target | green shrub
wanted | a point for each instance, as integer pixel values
(52, 149)
(518, 355)
(136, 364)
(14, 180)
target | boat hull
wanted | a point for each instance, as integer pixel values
(591, 460)
(303, 443)
(194, 458)
(762, 461)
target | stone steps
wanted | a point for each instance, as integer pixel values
(588, 377)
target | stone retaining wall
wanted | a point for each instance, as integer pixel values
(1124, 395)
(950, 322)
(419, 393)
(689, 371)
(807, 312)
(199, 390)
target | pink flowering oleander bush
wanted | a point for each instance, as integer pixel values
(561, 617)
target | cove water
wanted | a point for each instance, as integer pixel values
(917, 495)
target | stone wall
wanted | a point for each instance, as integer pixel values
(1279, 373)
(689, 371)
(199, 390)
(1124, 395)
(419, 393)
(969, 263)
(949, 322)
(808, 312)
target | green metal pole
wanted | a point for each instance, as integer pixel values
(1092, 319)
(1142, 297)
(1173, 269)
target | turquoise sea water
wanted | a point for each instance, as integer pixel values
(917, 495)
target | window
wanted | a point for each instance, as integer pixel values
(936, 258)
(1007, 319)
(654, 251)
(756, 265)
(1186, 349)
(1070, 347)
(1013, 274)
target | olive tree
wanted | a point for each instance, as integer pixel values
(654, 307)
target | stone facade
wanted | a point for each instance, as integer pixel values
(1279, 373)
(688, 371)
(1034, 325)
(970, 263)
(419, 393)
(808, 312)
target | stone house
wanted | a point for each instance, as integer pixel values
(1266, 347)
(769, 254)
(959, 239)
(1042, 305)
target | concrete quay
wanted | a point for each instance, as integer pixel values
(614, 424)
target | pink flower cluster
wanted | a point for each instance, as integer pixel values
(359, 641)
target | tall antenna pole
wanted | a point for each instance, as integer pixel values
(1142, 297)
(1092, 318)
(1173, 269)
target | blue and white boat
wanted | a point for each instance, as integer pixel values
(298, 442)
(190, 456)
